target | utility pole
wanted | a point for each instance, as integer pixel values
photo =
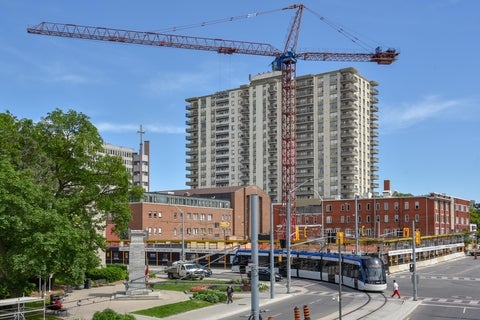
(356, 225)
(254, 267)
(414, 261)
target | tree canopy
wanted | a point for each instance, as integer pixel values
(57, 190)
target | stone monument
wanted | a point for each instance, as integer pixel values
(137, 277)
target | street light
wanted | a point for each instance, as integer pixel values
(323, 220)
(182, 252)
(288, 233)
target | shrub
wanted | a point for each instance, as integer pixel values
(110, 273)
(109, 314)
(212, 296)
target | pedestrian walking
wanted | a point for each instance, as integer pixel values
(395, 289)
(229, 294)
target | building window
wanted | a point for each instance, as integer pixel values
(406, 218)
(417, 218)
(348, 219)
(368, 219)
(395, 206)
(342, 207)
(385, 218)
(406, 205)
(417, 205)
(210, 217)
(150, 214)
(359, 206)
(329, 219)
(385, 206)
(342, 219)
(377, 206)
(397, 218)
(328, 208)
(368, 206)
(174, 231)
(175, 216)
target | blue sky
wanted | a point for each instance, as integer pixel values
(428, 100)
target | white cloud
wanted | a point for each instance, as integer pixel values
(129, 128)
(396, 117)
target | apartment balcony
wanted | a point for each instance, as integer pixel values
(191, 129)
(349, 152)
(192, 106)
(192, 152)
(192, 144)
(348, 106)
(222, 139)
(348, 124)
(373, 109)
(349, 87)
(192, 136)
(374, 168)
(348, 78)
(190, 122)
(350, 161)
(374, 151)
(223, 155)
(373, 133)
(350, 143)
(245, 110)
(350, 170)
(374, 125)
(191, 113)
(374, 117)
(191, 175)
(349, 115)
(348, 96)
(224, 107)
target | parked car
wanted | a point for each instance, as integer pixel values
(264, 275)
(206, 270)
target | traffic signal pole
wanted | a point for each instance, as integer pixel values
(414, 261)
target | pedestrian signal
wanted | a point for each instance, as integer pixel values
(340, 238)
(418, 240)
(406, 232)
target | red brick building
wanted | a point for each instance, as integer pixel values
(208, 214)
(388, 216)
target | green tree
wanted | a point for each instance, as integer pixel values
(57, 191)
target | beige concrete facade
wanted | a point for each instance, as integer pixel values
(234, 136)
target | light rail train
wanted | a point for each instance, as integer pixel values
(366, 273)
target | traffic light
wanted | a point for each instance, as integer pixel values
(297, 233)
(412, 267)
(406, 232)
(340, 238)
(363, 231)
(305, 235)
(418, 240)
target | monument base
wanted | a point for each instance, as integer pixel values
(144, 294)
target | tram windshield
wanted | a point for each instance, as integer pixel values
(374, 271)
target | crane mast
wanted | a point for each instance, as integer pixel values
(285, 61)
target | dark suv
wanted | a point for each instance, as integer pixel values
(264, 275)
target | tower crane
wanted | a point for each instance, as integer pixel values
(284, 60)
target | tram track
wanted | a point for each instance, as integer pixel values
(375, 302)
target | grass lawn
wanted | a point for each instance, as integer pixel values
(173, 309)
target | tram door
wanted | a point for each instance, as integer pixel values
(332, 271)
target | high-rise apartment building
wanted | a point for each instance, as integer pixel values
(234, 136)
(137, 164)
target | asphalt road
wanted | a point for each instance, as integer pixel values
(449, 290)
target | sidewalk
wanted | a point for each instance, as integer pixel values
(82, 304)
